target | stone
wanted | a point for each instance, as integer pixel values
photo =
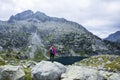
(31, 64)
(46, 70)
(81, 73)
(9, 72)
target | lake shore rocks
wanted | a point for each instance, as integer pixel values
(85, 73)
(46, 70)
(9, 72)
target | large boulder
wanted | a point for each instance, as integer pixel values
(114, 76)
(9, 72)
(110, 75)
(81, 73)
(46, 70)
(87, 73)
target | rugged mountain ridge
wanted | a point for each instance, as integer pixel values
(35, 17)
(115, 37)
(34, 32)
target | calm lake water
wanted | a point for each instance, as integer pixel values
(69, 59)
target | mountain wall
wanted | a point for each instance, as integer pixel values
(33, 33)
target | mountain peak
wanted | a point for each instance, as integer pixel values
(28, 14)
(118, 32)
(40, 13)
(41, 16)
(21, 16)
(115, 37)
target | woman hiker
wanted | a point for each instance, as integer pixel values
(52, 52)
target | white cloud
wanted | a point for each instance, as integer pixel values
(95, 15)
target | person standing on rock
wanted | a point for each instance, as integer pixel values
(52, 53)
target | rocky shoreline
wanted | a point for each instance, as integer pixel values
(46, 70)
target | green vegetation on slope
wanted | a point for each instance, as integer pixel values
(114, 65)
(39, 55)
(108, 62)
(27, 73)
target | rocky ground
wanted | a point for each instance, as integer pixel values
(102, 67)
(85, 73)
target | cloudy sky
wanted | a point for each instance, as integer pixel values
(101, 17)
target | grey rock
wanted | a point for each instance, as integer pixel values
(81, 73)
(9, 72)
(86, 73)
(46, 70)
(31, 64)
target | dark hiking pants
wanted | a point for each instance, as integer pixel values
(51, 57)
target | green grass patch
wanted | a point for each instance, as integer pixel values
(114, 65)
(2, 63)
(27, 74)
(96, 61)
(39, 55)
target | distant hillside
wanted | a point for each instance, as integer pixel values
(32, 33)
(115, 37)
